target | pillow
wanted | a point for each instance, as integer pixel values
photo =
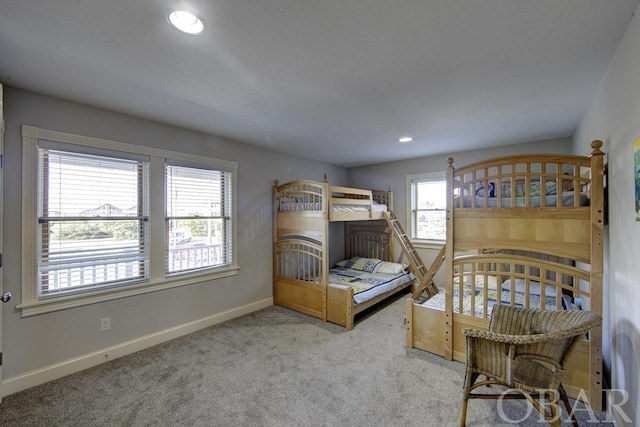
(506, 189)
(519, 189)
(534, 189)
(534, 287)
(491, 191)
(388, 267)
(552, 188)
(342, 263)
(362, 264)
(492, 282)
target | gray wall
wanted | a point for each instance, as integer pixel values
(614, 117)
(43, 340)
(394, 174)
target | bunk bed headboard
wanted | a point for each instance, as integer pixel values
(383, 197)
(483, 196)
(371, 239)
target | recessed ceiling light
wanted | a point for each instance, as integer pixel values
(405, 140)
(186, 22)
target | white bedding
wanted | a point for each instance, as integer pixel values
(377, 207)
(317, 206)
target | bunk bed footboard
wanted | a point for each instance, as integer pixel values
(299, 281)
(300, 296)
(518, 278)
(425, 331)
(424, 328)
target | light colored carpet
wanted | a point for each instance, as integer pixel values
(275, 367)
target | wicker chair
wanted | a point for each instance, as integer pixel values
(527, 351)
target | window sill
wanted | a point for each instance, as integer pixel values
(428, 244)
(62, 303)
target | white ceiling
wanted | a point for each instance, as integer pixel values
(333, 80)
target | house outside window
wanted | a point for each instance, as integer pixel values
(94, 209)
(427, 207)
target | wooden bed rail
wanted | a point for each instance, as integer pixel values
(561, 275)
(541, 180)
(314, 196)
(301, 195)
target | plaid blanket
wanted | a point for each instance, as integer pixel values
(362, 281)
(464, 303)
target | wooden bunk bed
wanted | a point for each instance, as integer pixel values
(302, 274)
(526, 231)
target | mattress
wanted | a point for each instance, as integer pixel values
(289, 205)
(519, 300)
(367, 285)
(377, 207)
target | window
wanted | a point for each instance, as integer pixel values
(94, 208)
(198, 220)
(92, 220)
(428, 206)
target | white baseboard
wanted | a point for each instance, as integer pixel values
(77, 364)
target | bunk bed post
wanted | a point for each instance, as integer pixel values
(325, 244)
(409, 322)
(448, 332)
(274, 238)
(597, 226)
(390, 231)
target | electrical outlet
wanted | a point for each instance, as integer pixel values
(105, 324)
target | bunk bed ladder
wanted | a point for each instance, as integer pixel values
(428, 285)
(424, 275)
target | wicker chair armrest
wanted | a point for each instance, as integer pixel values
(514, 339)
(560, 334)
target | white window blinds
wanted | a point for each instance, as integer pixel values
(92, 219)
(198, 218)
(428, 207)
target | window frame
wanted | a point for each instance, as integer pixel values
(77, 154)
(411, 180)
(225, 215)
(31, 304)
